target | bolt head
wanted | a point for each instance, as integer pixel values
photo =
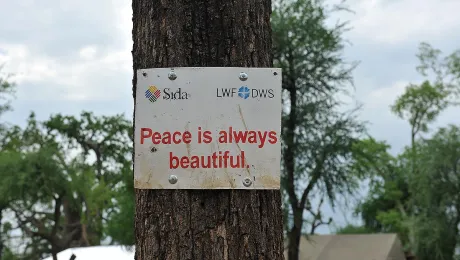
(247, 182)
(243, 76)
(173, 179)
(172, 75)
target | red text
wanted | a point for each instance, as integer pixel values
(165, 137)
(221, 159)
(252, 137)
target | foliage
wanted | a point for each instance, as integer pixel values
(423, 208)
(7, 90)
(120, 226)
(445, 70)
(7, 254)
(386, 204)
(416, 193)
(352, 229)
(59, 178)
(420, 105)
(318, 140)
(438, 206)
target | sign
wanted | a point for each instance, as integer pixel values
(208, 128)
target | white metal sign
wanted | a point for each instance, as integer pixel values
(208, 128)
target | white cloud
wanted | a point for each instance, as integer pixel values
(19, 61)
(88, 52)
(91, 78)
(124, 24)
(399, 21)
(68, 51)
(382, 98)
(383, 124)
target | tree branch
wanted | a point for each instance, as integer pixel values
(317, 218)
(22, 223)
(57, 215)
(315, 177)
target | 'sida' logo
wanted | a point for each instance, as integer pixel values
(152, 94)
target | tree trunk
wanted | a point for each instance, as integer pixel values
(294, 235)
(1, 234)
(295, 231)
(205, 224)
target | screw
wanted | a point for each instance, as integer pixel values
(243, 76)
(275, 73)
(247, 182)
(172, 75)
(144, 74)
(172, 179)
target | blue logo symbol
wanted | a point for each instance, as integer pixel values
(243, 92)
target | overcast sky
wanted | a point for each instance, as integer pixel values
(71, 55)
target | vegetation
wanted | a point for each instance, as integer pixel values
(318, 138)
(67, 181)
(415, 193)
(64, 182)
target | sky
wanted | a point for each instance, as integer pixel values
(69, 56)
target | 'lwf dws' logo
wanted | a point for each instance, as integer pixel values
(152, 94)
(243, 92)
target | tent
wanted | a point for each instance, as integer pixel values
(351, 247)
(96, 253)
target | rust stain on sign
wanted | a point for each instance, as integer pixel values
(210, 183)
(187, 144)
(268, 181)
(242, 117)
(230, 179)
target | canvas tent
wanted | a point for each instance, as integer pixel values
(351, 247)
(96, 253)
(317, 247)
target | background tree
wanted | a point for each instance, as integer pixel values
(407, 202)
(120, 220)
(353, 229)
(7, 89)
(437, 201)
(318, 140)
(59, 178)
(422, 208)
(420, 105)
(445, 71)
(385, 207)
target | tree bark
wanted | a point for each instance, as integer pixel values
(297, 207)
(1, 234)
(205, 224)
(294, 235)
